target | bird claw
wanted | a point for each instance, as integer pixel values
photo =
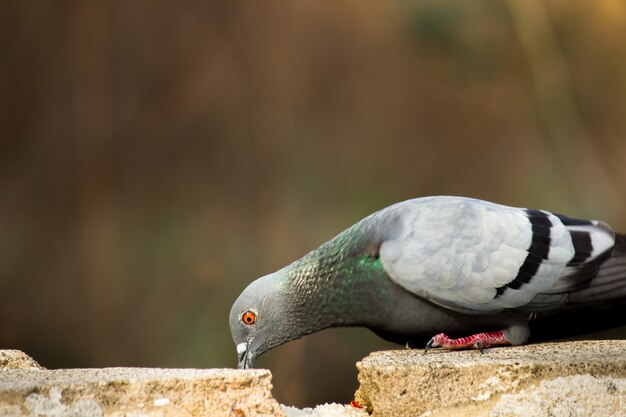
(435, 341)
(429, 345)
(480, 346)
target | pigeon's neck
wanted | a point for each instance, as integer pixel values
(337, 284)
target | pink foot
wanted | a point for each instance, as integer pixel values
(476, 341)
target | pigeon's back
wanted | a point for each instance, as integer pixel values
(476, 257)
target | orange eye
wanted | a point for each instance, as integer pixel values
(248, 317)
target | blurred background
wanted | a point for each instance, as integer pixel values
(156, 157)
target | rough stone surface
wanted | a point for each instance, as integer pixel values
(557, 379)
(326, 410)
(571, 378)
(16, 359)
(577, 395)
(145, 392)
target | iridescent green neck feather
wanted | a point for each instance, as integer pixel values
(336, 284)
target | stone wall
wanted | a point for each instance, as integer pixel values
(29, 390)
(557, 379)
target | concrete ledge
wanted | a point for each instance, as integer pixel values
(326, 410)
(16, 359)
(558, 379)
(572, 378)
(136, 392)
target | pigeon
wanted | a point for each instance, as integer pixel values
(436, 266)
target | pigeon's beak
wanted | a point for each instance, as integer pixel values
(245, 358)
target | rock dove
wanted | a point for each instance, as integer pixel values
(433, 266)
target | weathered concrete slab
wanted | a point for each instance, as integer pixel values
(145, 392)
(16, 359)
(559, 379)
(576, 395)
(326, 410)
(573, 378)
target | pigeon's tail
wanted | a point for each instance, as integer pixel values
(587, 309)
(610, 281)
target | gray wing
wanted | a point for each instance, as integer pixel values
(476, 256)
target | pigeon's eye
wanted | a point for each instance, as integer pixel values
(248, 317)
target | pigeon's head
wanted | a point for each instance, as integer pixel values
(257, 319)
